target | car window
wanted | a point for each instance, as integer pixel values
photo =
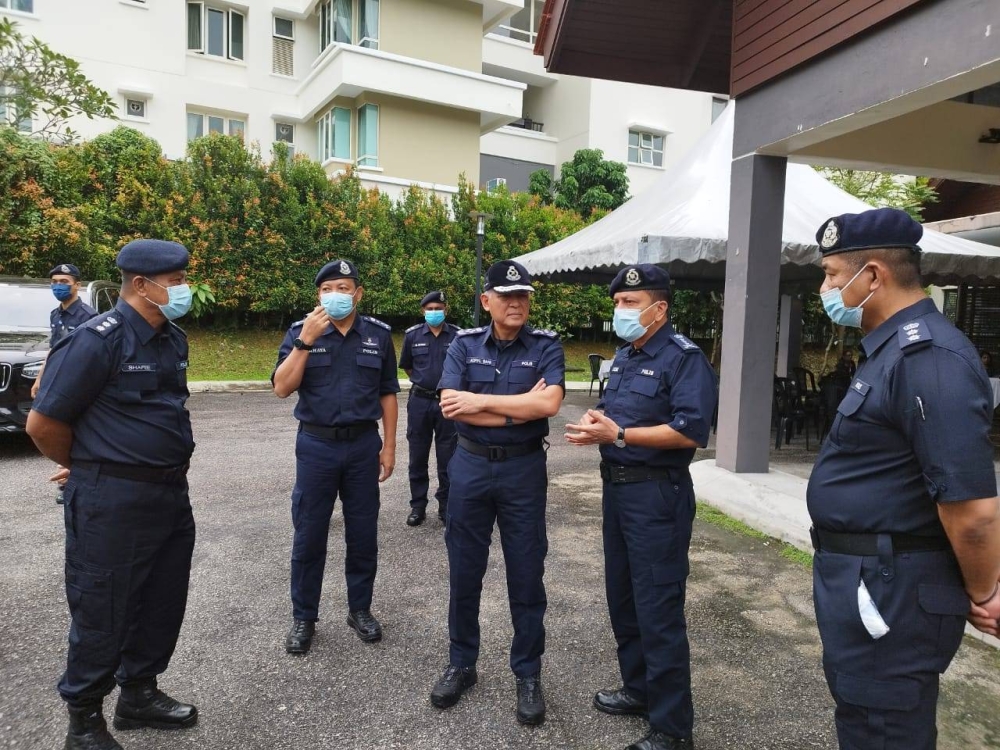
(105, 298)
(25, 307)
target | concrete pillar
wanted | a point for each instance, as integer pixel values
(789, 335)
(753, 266)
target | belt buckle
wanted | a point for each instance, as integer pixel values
(341, 433)
(497, 453)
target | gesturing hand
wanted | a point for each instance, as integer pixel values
(314, 326)
(593, 429)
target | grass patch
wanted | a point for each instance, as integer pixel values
(716, 517)
(251, 354)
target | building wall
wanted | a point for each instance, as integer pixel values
(515, 171)
(564, 109)
(449, 32)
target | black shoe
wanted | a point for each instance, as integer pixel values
(365, 625)
(300, 637)
(660, 741)
(530, 701)
(88, 730)
(454, 682)
(415, 518)
(143, 705)
(619, 703)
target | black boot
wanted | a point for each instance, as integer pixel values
(300, 637)
(416, 517)
(143, 705)
(661, 741)
(530, 701)
(88, 730)
(365, 625)
(454, 682)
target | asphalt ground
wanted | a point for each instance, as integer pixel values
(757, 677)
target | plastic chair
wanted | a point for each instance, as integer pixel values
(595, 374)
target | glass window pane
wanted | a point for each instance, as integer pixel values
(321, 139)
(324, 25)
(368, 23)
(657, 158)
(647, 156)
(194, 26)
(237, 127)
(284, 131)
(284, 27)
(216, 124)
(368, 135)
(236, 22)
(633, 138)
(633, 154)
(196, 125)
(341, 132)
(647, 140)
(536, 21)
(658, 142)
(216, 32)
(342, 21)
(28, 6)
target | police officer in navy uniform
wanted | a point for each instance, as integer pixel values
(343, 366)
(71, 313)
(657, 409)
(111, 410)
(501, 383)
(903, 493)
(422, 357)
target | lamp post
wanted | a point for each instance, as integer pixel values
(481, 219)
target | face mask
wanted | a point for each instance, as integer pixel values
(62, 292)
(627, 325)
(434, 317)
(337, 304)
(178, 300)
(833, 303)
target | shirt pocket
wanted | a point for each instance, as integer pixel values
(480, 375)
(522, 377)
(317, 370)
(847, 426)
(133, 383)
(369, 367)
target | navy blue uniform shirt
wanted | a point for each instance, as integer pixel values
(344, 375)
(668, 381)
(122, 386)
(912, 431)
(475, 363)
(63, 322)
(424, 353)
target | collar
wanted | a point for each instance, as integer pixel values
(656, 342)
(143, 329)
(874, 340)
(73, 305)
(522, 335)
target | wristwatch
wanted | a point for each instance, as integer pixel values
(620, 440)
(300, 344)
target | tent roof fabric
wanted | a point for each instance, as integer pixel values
(682, 223)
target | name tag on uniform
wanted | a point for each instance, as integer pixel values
(616, 368)
(648, 373)
(371, 351)
(417, 346)
(318, 350)
(182, 365)
(525, 363)
(480, 361)
(139, 367)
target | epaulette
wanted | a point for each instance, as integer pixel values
(377, 322)
(174, 325)
(544, 332)
(686, 344)
(104, 324)
(298, 323)
(414, 327)
(470, 331)
(914, 335)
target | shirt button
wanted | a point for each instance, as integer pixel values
(885, 571)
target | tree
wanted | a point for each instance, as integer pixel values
(587, 183)
(883, 190)
(41, 89)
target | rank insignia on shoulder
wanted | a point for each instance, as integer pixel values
(298, 323)
(545, 332)
(104, 324)
(413, 327)
(470, 331)
(377, 322)
(684, 342)
(914, 335)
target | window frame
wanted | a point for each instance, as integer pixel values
(9, 5)
(201, 44)
(274, 28)
(362, 159)
(128, 115)
(206, 127)
(646, 146)
(230, 14)
(277, 136)
(24, 126)
(369, 42)
(328, 23)
(326, 131)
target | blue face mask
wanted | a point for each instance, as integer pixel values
(178, 300)
(841, 314)
(337, 304)
(62, 292)
(627, 325)
(434, 317)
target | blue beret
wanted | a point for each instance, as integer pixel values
(642, 276)
(432, 297)
(152, 257)
(337, 269)
(878, 228)
(507, 276)
(67, 269)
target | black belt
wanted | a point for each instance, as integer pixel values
(867, 544)
(627, 474)
(347, 432)
(154, 474)
(423, 392)
(500, 452)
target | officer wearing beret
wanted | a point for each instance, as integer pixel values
(656, 410)
(343, 366)
(111, 410)
(501, 383)
(71, 313)
(903, 493)
(424, 347)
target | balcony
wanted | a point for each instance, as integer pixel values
(526, 123)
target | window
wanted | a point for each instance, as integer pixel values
(368, 23)
(25, 6)
(335, 23)
(8, 111)
(135, 108)
(199, 124)
(216, 32)
(283, 47)
(284, 28)
(496, 182)
(284, 132)
(718, 107)
(368, 135)
(334, 135)
(645, 148)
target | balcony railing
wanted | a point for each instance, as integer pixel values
(512, 32)
(526, 123)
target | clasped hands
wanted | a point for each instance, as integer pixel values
(985, 617)
(593, 429)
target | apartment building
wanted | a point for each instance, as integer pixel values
(407, 91)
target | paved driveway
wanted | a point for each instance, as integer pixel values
(757, 676)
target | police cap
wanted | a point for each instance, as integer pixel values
(507, 276)
(152, 257)
(432, 297)
(337, 269)
(66, 269)
(878, 228)
(644, 276)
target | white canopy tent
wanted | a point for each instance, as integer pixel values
(682, 223)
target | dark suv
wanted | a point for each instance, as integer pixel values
(25, 305)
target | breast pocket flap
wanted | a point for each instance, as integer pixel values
(852, 401)
(645, 384)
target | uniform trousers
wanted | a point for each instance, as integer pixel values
(128, 561)
(512, 494)
(647, 533)
(326, 469)
(886, 689)
(424, 423)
